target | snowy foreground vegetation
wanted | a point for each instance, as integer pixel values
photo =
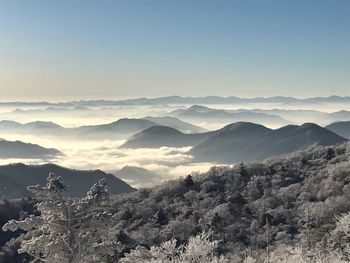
(293, 209)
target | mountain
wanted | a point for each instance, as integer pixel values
(342, 128)
(120, 128)
(337, 116)
(293, 138)
(21, 150)
(232, 99)
(33, 128)
(300, 116)
(228, 143)
(176, 124)
(202, 113)
(158, 136)
(138, 177)
(16, 177)
(182, 100)
(244, 142)
(116, 130)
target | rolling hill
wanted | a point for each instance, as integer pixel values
(21, 150)
(202, 113)
(34, 128)
(342, 128)
(158, 136)
(119, 129)
(249, 142)
(176, 124)
(16, 177)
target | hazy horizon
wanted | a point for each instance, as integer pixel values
(53, 100)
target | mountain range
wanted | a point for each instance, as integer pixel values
(269, 117)
(119, 129)
(202, 113)
(15, 178)
(181, 100)
(242, 141)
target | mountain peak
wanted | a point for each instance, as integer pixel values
(160, 130)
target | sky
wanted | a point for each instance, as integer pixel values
(111, 49)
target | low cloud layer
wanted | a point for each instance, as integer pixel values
(106, 155)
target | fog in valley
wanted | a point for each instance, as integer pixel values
(81, 132)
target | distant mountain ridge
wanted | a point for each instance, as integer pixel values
(119, 129)
(183, 100)
(270, 117)
(16, 177)
(36, 127)
(199, 112)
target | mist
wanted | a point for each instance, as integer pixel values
(104, 152)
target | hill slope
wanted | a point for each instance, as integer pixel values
(229, 142)
(120, 128)
(176, 124)
(342, 128)
(202, 113)
(116, 130)
(291, 200)
(251, 142)
(21, 150)
(158, 136)
(15, 178)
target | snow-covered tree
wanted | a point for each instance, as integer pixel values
(199, 249)
(68, 230)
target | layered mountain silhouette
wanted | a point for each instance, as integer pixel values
(116, 130)
(342, 128)
(342, 115)
(21, 150)
(35, 128)
(15, 178)
(242, 142)
(203, 113)
(120, 128)
(158, 136)
(183, 100)
(176, 124)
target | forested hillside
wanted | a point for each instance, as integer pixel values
(288, 201)
(250, 209)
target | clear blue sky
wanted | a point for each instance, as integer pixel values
(61, 50)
